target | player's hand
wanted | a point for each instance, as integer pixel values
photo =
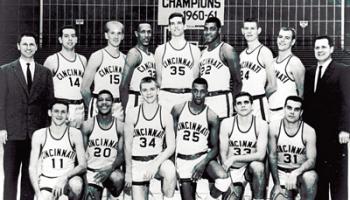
(3, 136)
(277, 189)
(291, 181)
(151, 170)
(58, 189)
(103, 174)
(344, 137)
(128, 180)
(198, 170)
(228, 163)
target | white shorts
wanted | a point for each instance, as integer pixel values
(221, 104)
(117, 109)
(138, 170)
(76, 115)
(90, 177)
(184, 167)
(276, 114)
(133, 101)
(169, 99)
(47, 183)
(239, 175)
(261, 107)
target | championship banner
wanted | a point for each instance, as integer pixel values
(195, 11)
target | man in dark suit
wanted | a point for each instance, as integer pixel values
(327, 109)
(26, 91)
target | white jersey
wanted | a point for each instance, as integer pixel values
(214, 70)
(148, 136)
(58, 154)
(147, 67)
(177, 66)
(242, 142)
(102, 146)
(253, 73)
(285, 84)
(109, 73)
(68, 77)
(291, 149)
(192, 131)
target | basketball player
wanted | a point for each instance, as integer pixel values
(243, 143)
(55, 150)
(258, 78)
(68, 67)
(177, 64)
(289, 71)
(197, 144)
(219, 64)
(104, 69)
(103, 138)
(292, 153)
(149, 142)
(139, 64)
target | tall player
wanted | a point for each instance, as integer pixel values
(55, 150)
(139, 64)
(257, 72)
(104, 69)
(68, 68)
(292, 153)
(219, 64)
(103, 138)
(149, 143)
(197, 144)
(177, 64)
(243, 143)
(289, 72)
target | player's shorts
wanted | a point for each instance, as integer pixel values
(76, 112)
(221, 102)
(47, 183)
(186, 163)
(261, 107)
(240, 175)
(139, 165)
(276, 114)
(282, 175)
(134, 100)
(168, 99)
(117, 109)
(90, 173)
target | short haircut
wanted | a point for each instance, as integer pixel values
(115, 22)
(285, 28)
(252, 20)
(330, 41)
(66, 27)
(105, 92)
(214, 20)
(59, 101)
(137, 26)
(242, 94)
(148, 79)
(201, 81)
(27, 34)
(294, 98)
(177, 14)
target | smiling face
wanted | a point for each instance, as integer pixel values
(243, 105)
(58, 114)
(104, 103)
(323, 51)
(68, 39)
(211, 32)
(27, 46)
(176, 26)
(144, 34)
(285, 40)
(251, 31)
(149, 91)
(115, 34)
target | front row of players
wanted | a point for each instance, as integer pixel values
(150, 143)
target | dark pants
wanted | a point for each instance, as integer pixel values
(15, 154)
(332, 169)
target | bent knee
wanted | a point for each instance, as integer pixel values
(167, 169)
(117, 176)
(309, 177)
(257, 168)
(76, 184)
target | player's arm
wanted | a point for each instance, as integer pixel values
(89, 75)
(3, 94)
(37, 142)
(158, 54)
(86, 130)
(51, 63)
(266, 58)
(128, 136)
(175, 112)
(196, 57)
(231, 58)
(83, 60)
(132, 60)
(298, 71)
(272, 149)
(224, 140)
(120, 155)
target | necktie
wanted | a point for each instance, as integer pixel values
(29, 77)
(319, 77)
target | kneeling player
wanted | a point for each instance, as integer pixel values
(292, 147)
(243, 142)
(56, 149)
(149, 142)
(103, 138)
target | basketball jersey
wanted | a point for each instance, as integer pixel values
(242, 142)
(285, 84)
(148, 134)
(147, 67)
(214, 70)
(192, 131)
(291, 151)
(253, 73)
(109, 73)
(102, 146)
(68, 77)
(177, 66)
(58, 154)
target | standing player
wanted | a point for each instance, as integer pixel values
(257, 72)
(218, 66)
(177, 64)
(55, 150)
(289, 72)
(103, 138)
(68, 68)
(104, 69)
(197, 144)
(292, 153)
(139, 64)
(148, 129)
(243, 142)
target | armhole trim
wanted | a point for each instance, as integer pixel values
(58, 65)
(257, 57)
(285, 68)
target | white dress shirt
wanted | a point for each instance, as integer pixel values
(324, 67)
(24, 68)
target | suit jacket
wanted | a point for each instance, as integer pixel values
(22, 111)
(328, 109)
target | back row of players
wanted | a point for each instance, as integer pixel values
(119, 85)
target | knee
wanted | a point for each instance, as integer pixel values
(257, 168)
(309, 178)
(76, 185)
(117, 176)
(222, 184)
(167, 169)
